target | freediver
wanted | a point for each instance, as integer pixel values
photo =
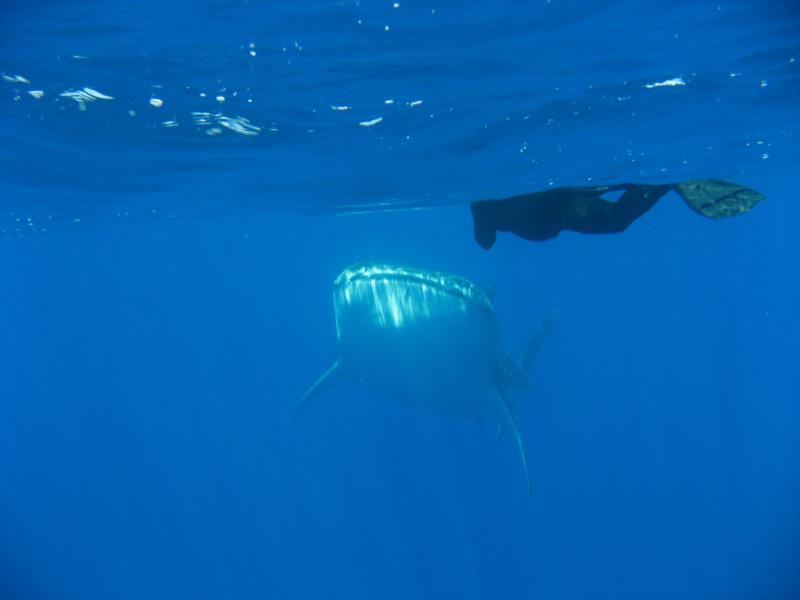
(543, 215)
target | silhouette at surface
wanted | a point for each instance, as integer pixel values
(543, 215)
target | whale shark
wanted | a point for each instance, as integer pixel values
(428, 338)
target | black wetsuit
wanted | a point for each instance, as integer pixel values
(543, 215)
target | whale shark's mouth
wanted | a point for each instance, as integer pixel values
(397, 296)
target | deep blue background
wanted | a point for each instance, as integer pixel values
(161, 310)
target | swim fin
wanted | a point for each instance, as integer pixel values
(717, 199)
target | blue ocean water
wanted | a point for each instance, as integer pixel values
(179, 185)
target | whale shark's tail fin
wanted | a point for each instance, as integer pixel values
(717, 199)
(334, 374)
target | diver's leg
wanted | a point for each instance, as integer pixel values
(592, 214)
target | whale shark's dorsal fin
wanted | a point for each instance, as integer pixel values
(513, 422)
(333, 375)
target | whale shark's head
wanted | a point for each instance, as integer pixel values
(425, 336)
(390, 297)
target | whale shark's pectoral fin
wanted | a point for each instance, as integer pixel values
(491, 292)
(328, 379)
(538, 338)
(513, 422)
